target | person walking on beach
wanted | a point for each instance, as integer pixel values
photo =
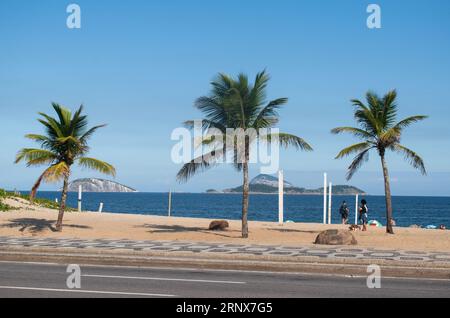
(344, 211)
(363, 210)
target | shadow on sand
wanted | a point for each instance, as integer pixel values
(37, 225)
(293, 231)
(159, 228)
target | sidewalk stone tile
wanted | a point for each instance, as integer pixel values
(227, 248)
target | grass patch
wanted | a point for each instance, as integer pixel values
(4, 207)
(3, 194)
(45, 203)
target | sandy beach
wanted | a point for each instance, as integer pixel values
(30, 220)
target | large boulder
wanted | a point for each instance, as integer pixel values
(218, 225)
(336, 237)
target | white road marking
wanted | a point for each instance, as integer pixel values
(85, 291)
(167, 279)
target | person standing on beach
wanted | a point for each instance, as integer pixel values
(344, 211)
(363, 210)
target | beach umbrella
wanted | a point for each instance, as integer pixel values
(375, 223)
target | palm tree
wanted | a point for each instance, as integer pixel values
(64, 144)
(238, 105)
(379, 130)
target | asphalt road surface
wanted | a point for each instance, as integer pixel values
(50, 280)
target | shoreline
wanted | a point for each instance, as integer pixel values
(32, 221)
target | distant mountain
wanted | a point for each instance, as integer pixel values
(212, 191)
(98, 185)
(269, 181)
(267, 184)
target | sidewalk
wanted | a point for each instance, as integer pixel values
(324, 252)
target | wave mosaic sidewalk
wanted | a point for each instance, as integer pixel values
(218, 248)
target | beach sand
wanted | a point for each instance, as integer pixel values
(30, 220)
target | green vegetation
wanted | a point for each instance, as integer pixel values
(379, 130)
(3, 206)
(64, 144)
(45, 203)
(236, 104)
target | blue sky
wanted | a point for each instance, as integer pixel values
(139, 65)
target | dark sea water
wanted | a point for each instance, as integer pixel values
(407, 210)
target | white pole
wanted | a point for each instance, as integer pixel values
(100, 208)
(329, 204)
(324, 198)
(80, 190)
(356, 208)
(170, 203)
(280, 197)
(56, 200)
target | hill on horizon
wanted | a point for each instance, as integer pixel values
(98, 185)
(267, 184)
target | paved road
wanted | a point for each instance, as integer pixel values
(49, 280)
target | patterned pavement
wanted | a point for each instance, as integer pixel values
(246, 249)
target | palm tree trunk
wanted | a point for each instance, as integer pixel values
(35, 187)
(245, 192)
(62, 205)
(387, 191)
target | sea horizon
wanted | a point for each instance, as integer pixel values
(408, 210)
(234, 193)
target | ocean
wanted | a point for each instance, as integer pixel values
(298, 208)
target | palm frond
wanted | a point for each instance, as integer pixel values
(69, 140)
(54, 129)
(373, 103)
(357, 163)
(222, 85)
(268, 116)
(409, 121)
(378, 130)
(389, 137)
(357, 132)
(235, 103)
(78, 123)
(210, 140)
(257, 94)
(213, 108)
(354, 148)
(35, 156)
(45, 141)
(56, 172)
(412, 157)
(287, 140)
(98, 165)
(90, 132)
(366, 118)
(38, 138)
(389, 109)
(64, 114)
(198, 164)
(206, 124)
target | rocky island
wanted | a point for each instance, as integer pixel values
(267, 184)
(98, 185)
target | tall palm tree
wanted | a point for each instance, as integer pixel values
(64, 144)
(379, 130)
(236, 104)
